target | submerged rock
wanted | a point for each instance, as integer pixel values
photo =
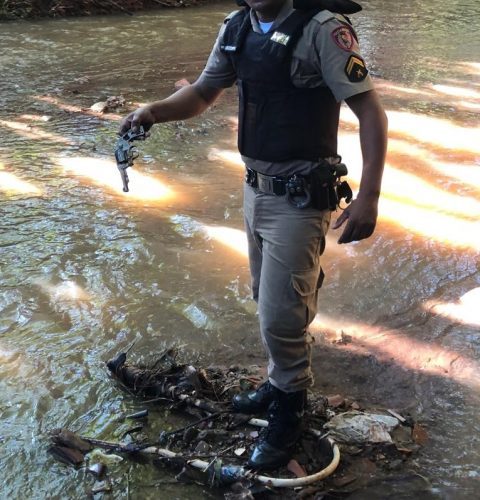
(111, 104)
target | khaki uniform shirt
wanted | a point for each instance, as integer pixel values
(320, 58)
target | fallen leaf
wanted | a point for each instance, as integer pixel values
(419, 434)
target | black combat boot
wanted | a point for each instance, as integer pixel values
(254, 401)
(284, 428)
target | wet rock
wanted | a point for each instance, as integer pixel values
(67, 455)
(402, 434)
(202, 448)
(395, 464)
(189, 435)
(98, 470)
(336, 401)
(101, 487)
(64, 437)
(295, 468)
(111, 104)
(99, 107)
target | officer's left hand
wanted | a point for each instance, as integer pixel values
(361, 217)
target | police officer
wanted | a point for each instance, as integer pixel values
(293, 68)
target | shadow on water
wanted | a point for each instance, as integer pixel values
(86, 268)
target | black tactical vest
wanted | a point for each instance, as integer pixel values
(278, 121)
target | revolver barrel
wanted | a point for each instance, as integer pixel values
(123, 174)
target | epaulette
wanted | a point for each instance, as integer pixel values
(323, 16)
(225, 21)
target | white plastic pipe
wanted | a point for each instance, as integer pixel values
(276, 482)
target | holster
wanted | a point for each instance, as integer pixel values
(326, 189)
(322, 188)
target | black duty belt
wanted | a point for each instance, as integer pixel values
(320, 189)
(269, 184)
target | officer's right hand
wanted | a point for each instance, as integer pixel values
(141, 117)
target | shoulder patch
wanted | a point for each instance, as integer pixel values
(355, 69)
(343, 38)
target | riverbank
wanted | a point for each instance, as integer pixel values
(32, 9)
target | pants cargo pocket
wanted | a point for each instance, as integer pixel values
(306, 285)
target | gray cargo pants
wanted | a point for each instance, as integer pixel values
(285, 244)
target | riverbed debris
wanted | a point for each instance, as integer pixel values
(357, 427)
(111, 104)
(31, 9)
(218, 442)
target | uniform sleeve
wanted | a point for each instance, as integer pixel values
(343, 69)
(218, 72)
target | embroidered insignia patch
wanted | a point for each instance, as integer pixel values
(355, 69)
(280, 38)
(343, 37)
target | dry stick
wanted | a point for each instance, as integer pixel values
(155, 400)
(201, 464)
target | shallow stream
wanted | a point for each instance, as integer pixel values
(86, 269)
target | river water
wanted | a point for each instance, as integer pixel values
(87, 269)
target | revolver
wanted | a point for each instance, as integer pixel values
(126, 152)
